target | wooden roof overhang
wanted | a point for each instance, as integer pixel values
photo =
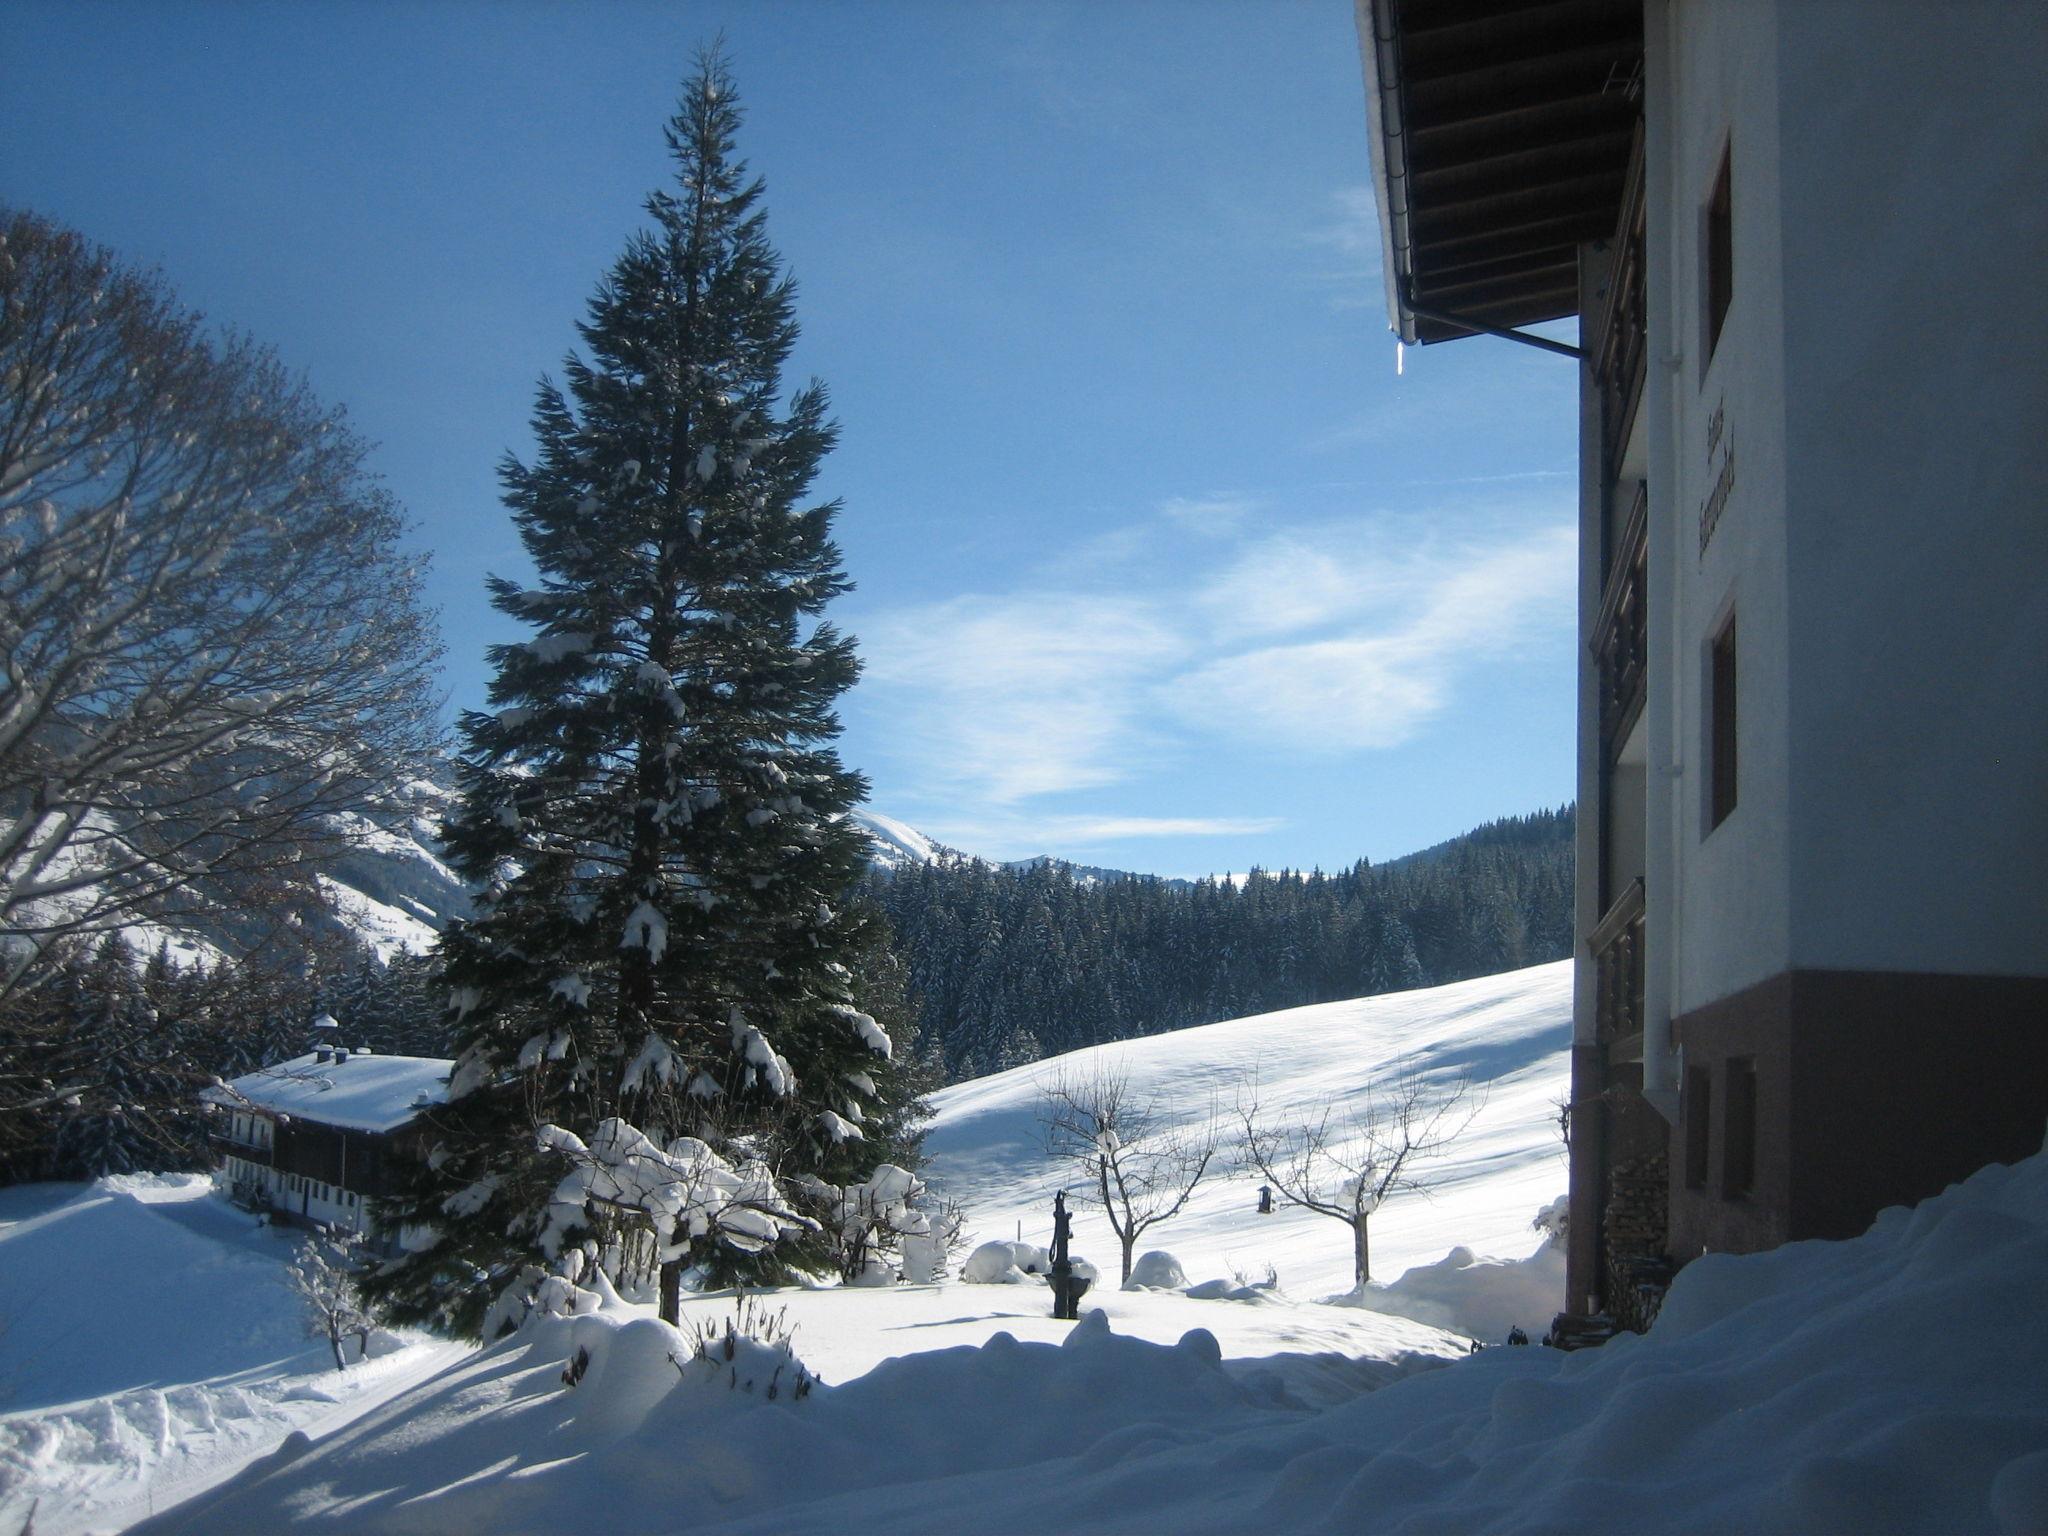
(1501, 132)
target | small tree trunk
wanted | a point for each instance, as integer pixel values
(1130, 1240)
(334, 1337)
(672, 1292)
(1361, 1251)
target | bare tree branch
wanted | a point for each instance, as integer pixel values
(1346, 1169)
(214, 663)
(1130, 1160)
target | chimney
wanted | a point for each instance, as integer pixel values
(322, 1054)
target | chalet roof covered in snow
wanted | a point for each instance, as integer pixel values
(360, 1091)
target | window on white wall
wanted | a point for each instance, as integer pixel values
(1717, 255)
(1721, 721)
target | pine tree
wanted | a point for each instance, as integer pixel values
(654, 811)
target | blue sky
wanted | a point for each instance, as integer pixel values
(1159, 563)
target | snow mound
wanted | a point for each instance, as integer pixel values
(151, 1343)
(1888, 1383)
(114, 1252)
(1005, 1264)
(1156, 1271)
(1480, 1298)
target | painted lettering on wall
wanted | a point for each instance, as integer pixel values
(1720, 468)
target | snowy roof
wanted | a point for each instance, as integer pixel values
(361, 1092)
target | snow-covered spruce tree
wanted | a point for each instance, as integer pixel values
(654, 810)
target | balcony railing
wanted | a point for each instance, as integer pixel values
(1624, 323)
(1621, 634)
(226, 1144)
(1617, 945)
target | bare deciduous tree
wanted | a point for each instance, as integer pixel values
(1347, 1166)
(213, 658)
(1135, 1163)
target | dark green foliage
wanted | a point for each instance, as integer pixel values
(1010, 965)
(653, 813)
(106, 1057)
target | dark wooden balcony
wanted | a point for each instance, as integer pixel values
(1617, 945)
(225, 1145)
(1621, 634)
(1624, 324)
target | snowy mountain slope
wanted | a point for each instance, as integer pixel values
(1890, 1383)
(393, 890)
(1511, 1035)
(896, 845)
(1089, 874)
(151, 1345)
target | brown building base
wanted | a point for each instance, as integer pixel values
(1814, 1100)
(1809, 1103)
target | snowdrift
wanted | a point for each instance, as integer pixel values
(1890, 1383)
(150, 1343)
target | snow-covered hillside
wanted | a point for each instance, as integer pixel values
(896, 845)
(393, 890)
(1510, 1036)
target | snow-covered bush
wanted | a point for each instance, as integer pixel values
(625, 1207)
(683, 1190)
(1156, 1271)
(754, 1349)
(1005, 1264)
(885, 1228)
(1554, 1220)
(323, 1275)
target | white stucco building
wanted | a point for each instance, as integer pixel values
(1806, 242)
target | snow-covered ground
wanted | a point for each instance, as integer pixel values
(149, 1347)
(1891, 1383)
(177, 1354)
(1509, 1036)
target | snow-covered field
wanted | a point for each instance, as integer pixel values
(1888, 1384)
(172, 1353)
(149, 1347)
(1510, 1036)
(1891, 1383)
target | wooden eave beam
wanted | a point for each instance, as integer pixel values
(1581, 196)
(1505, 32)
(1544, 80)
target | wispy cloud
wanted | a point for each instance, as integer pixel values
(1327, 639)
(1031, 694)
(1514, 477)
(1394, 665)
(1021, 836)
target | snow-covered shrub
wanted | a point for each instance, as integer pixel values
(753, 1350)
(324, 1276)
(1156, 1271)
(1005, 1264)
(1228, 1290)
(885, 1228)
(1554, 1220)
(683, 1191)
